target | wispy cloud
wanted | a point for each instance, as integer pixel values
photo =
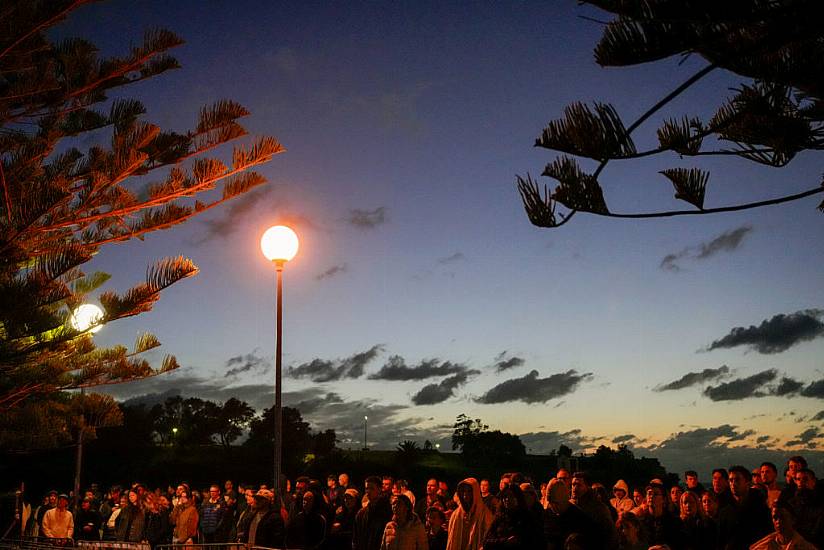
(814, 389)
(432, 394)
(367, 219)
(777, 334)
(326, 370)
(224, 222)
(397, 370)
(452, 258)
(502, 362)
(332, 271)
(742, 388)
(694, 378)
(728, 241)
(808, 438)
(533, 389)
(246, 363)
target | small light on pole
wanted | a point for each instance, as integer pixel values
(279, 244)
(365, 423)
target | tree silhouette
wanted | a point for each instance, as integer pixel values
(479, 445)
(59, 204)
(777, 111)
(234, 416)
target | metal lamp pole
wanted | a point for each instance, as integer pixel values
(279, 244)
(278, 386)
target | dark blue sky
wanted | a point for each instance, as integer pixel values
(405, 124)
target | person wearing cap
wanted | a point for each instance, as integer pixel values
(49, 502)
(89, 521)
(340, 535)
(266, 528)
(58, 523)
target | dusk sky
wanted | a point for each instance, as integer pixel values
(421, 290)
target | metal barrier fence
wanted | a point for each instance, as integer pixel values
(42, 543)
(35, 543)
(111, 545)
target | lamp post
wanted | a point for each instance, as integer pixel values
(87, 317)
(279, 244)
(365, 422)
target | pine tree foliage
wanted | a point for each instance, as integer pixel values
(776, 47)
(61, 201)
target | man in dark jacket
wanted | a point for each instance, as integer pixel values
(267, 528)
(598, 512)
(213, 517)
(562, 518)
(87, 522)
(371, 520)
(747, 519)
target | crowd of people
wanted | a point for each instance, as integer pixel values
(739, 509)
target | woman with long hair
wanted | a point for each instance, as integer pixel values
(156, 529)
(698, 532)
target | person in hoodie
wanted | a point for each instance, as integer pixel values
(622, 501)
(471, 520)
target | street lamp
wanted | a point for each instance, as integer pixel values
(279, 244)
(365, 422)
(87, 317)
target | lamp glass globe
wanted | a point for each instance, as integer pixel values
(279, 243)
(85, 316)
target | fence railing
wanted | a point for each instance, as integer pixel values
(44, 543)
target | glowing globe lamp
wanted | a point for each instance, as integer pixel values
(279, 244)
(85, 316)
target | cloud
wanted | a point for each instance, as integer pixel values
(367, 219)
(742, 388)
(225, 222)
(807, 438)
(324, 370)
(818, 417)
(547, 441)
(245, 363)
(452, 258)
(432, 394)
(694, 378)
(532, 389)
(312, 404)
(182, 382)
(623, 438)
(397, 370)
(787, 386)
(728, 241)
(814, 389)
(331, 272)
(703, 438)
(502, 363)
(777, 334)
